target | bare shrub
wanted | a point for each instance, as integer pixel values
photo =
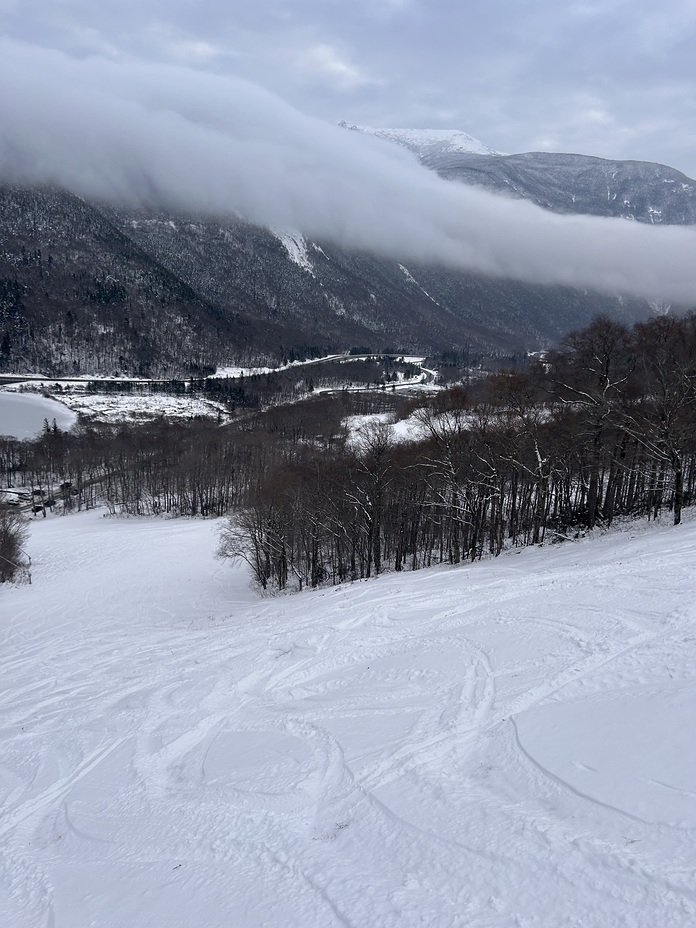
(14, 531)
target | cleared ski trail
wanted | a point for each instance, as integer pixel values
(504, 744)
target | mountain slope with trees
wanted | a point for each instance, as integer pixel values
(605, 426)
(91, 288)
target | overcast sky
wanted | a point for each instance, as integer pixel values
(614, 78)
(225, 108)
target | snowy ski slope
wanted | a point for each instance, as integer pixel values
(504, 744)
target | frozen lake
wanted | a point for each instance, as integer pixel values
(22, 414)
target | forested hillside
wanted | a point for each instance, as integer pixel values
(88, 287)
(605, 426)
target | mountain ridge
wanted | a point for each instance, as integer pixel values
(87, 287)
(424, 141)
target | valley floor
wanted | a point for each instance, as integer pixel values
(504, 744)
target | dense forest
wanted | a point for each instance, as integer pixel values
(604, 426)
(91, 288)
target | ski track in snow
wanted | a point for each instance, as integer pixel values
(489, 746)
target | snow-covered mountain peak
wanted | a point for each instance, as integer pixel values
(428, 141)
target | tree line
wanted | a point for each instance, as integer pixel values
(602, 427)
(274, 387)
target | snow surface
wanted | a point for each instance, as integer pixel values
(409, 429)
(425, 141)
(411, 279)
(22, 415)
(296, 247)
(113, 407)
(234, 371)
(503, 744)
(132, 407)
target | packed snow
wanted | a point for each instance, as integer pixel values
(503, 744)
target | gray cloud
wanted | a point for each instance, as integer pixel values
(188, 139)
(604, 77)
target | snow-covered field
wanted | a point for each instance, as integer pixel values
(504, 744)
(71, 399)
(124, 407)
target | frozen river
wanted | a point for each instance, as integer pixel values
(22, 415)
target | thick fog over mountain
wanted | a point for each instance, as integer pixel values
(155, 134)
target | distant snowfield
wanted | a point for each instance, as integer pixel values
(422, 141)
(125, 407)
(504, 744)
(109, 407)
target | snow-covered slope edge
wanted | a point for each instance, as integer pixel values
(502, 744)
(428, 141)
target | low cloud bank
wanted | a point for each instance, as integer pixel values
(150, 134)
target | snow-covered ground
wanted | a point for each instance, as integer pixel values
(426, 141)
(296, 246)
(133, 407)
(232, 371)
(409, 429)
(71, 399)
(504, 744)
